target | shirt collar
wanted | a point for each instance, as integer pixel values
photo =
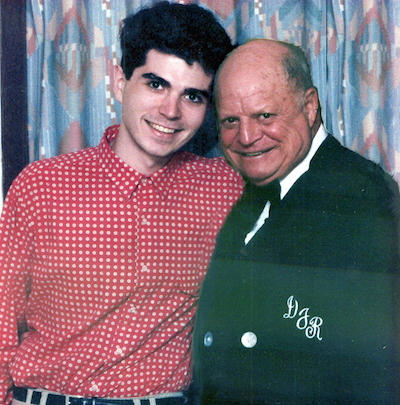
(127, 179)
(287, 182)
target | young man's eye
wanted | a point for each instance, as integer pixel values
(195, 98)
(155, 85)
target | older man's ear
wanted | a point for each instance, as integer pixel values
(311, 105)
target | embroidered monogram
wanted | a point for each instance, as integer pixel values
(311, 327)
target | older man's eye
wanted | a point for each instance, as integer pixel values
(229, 122)
(266, 115)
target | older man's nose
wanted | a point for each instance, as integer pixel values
(249, 132)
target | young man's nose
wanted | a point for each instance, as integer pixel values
(170, 107)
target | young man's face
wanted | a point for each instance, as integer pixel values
(163, 105)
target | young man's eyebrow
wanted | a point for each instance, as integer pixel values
(197, 92)
(151, 76)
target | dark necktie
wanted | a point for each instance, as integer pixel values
(244, 216)
(256, 197)
(273, 195)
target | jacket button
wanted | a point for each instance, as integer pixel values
(208, 339)
(249, 340)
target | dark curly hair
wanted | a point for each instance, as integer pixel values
(187, 31)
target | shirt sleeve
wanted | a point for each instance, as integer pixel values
(16, 243)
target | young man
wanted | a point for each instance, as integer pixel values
(103, 250)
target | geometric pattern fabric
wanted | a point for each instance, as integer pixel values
(353, 48)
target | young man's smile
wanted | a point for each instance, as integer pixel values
(162, 129)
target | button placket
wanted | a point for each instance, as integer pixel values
(144, 193)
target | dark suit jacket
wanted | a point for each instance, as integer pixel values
(333, 242)
(340, 213)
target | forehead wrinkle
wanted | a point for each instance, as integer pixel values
(244, 90)
(247, 73)
(262, 56)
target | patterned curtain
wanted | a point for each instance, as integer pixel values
(353, 47)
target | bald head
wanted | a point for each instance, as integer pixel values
(268, 57)
(267, 109)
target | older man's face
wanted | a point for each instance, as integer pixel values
(265, 132)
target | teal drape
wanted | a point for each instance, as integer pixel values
(353, 48)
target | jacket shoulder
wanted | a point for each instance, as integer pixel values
(345, 169)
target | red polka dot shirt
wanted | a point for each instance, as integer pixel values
(101, 268)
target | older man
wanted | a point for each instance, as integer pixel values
(299, 300)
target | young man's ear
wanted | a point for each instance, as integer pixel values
(119, 83)
(311, 105)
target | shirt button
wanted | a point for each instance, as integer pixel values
(94, 388)
(249, 340)
(132, 309)
(208, 339)
(119, 351)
